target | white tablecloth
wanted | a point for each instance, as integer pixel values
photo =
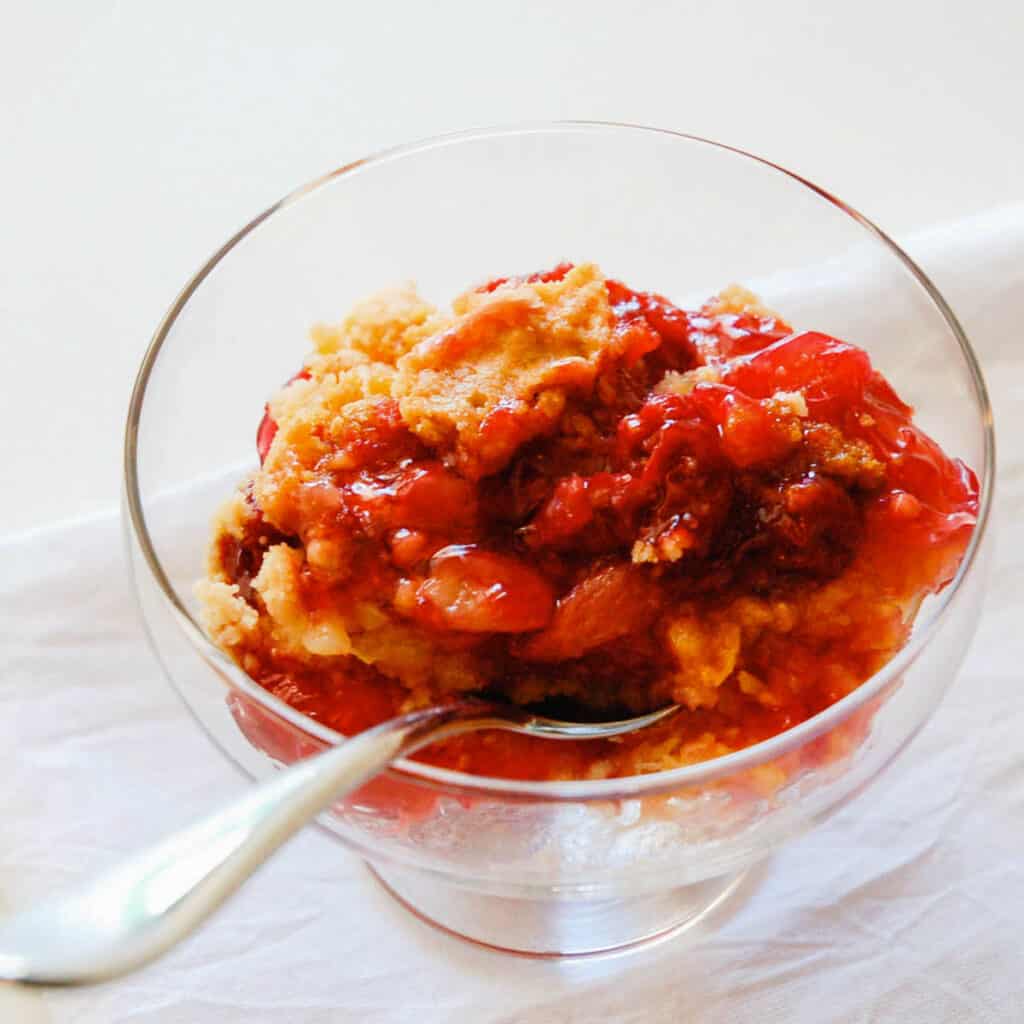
(908, 905)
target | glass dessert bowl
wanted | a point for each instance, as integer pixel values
(544, 867)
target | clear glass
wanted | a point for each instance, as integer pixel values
(551, 869)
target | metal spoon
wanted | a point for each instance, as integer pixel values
(139, 909)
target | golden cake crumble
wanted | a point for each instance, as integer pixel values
(562, 489)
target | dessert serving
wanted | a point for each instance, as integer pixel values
(568, 493)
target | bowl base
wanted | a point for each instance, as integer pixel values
(558, 928)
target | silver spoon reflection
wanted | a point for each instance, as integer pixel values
(142, 907)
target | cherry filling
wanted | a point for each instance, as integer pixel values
(786, 462)
(267, 430)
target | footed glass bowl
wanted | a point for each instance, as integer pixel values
(569, 868)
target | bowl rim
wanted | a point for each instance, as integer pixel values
(573, 790)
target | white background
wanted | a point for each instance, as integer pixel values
(137, 136)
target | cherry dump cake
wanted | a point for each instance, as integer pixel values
(564, 490)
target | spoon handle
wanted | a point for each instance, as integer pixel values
(142, 907)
